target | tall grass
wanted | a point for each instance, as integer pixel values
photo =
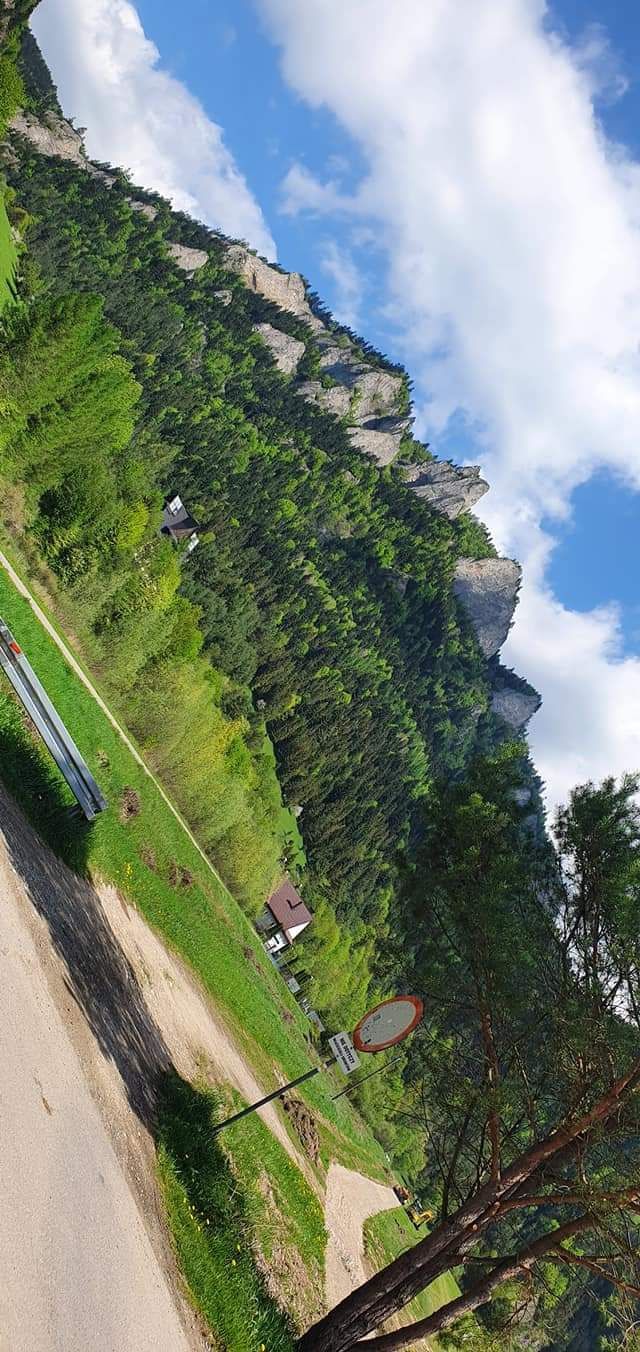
(248, 1229)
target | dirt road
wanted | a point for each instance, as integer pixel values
(92, 1008)
(351, 1199)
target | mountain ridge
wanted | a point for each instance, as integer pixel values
(370, 399)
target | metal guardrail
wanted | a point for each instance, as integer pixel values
(55, 736)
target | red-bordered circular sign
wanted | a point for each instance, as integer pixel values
(388, 1023)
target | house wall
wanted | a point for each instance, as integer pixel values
(295, 930)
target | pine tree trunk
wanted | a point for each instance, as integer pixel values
(365, 1309)
(370, 1305)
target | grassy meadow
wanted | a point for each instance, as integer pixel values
(247, 1227)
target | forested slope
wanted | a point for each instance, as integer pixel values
(321, 602)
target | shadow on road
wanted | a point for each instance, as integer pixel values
(99, 976)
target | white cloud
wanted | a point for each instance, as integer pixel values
(139, 116)
(589, 724)
(512, 237)
(338, 264)
(301, 191)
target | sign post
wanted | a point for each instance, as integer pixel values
(344, 1052)
(388, 1023)
(385, 1025)
(277, 1093)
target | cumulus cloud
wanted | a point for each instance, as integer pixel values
(339, 265)
(139, 116)
(302, 191)
(589, 723)
(511, 229)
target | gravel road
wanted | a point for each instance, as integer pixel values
(351, 1199)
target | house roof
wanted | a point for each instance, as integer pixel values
(185, 526)
(176, 520)
(288, 908)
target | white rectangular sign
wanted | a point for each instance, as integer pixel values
(344, 1052)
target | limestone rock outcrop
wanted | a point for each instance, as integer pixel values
(488, 590)
(190, 260)
(145, 208)
(285, 350)
(374, 391)
(367, 397)
(395, 423)
(450, 489)
(285, 289)
(515, 706)
(335, 399)
(53, 136)
(381, 446)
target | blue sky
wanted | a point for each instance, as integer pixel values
(461, 183)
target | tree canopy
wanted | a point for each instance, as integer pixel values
(527, 1077)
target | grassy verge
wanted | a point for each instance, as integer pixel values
(247, 1228)
(391, 1233)
(151, 860)
(7, 257)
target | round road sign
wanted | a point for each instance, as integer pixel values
(388, 1023)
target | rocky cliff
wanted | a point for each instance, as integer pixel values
(285, 289)
(488, 589)
(446, 487)
(284, 348)
(365, 394)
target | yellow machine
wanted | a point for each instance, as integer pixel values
(413, 1207)
(417, 1215)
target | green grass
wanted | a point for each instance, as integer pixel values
(7, 257)
(238, 1207)
(389, 1234)
(202, 922)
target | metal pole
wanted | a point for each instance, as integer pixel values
(277, 1093)
(379, 1071)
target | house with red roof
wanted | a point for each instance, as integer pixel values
(284, 917)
